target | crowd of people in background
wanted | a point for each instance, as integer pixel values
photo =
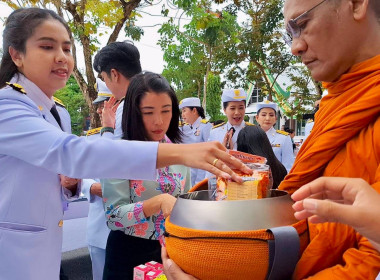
(149, 141)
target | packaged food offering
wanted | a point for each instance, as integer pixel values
(255, 186)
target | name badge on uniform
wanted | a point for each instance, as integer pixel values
(276, 145)
(197, 132)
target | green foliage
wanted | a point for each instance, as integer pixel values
(191, 51)
(75, 103)
(214, 99)
(301, 98)
(219, 117)
(242, 50)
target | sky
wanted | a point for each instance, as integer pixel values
(150, 53)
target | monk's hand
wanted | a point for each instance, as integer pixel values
(109, 112)
(171, 270)
(344, 200)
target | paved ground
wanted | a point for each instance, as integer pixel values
(77, 264)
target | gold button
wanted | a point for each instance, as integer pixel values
(60, 224)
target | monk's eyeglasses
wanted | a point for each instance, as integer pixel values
(293, 29)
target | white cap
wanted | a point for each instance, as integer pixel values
(190, 102)
(233, 95)
(266, 104)
(103, 92)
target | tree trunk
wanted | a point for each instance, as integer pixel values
(199, 89)
(128, 7)
(204, 103)
(88, 88)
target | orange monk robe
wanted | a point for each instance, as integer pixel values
(344, 142)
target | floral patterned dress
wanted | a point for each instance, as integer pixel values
(124, 200)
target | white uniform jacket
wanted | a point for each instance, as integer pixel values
(282, 147)
(219, 131)
(33, 151)
(198, 132)
(308, 127)
(97, 230)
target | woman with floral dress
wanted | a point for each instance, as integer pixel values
(135, 209)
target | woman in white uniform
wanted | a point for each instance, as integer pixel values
(36, 62)
(280, 140)
(195, 129)
(97, 230)
(234, 104)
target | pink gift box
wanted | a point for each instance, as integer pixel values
(140, 271)
(153, 274)
(154, 265)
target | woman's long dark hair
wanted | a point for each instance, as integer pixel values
(254, 140)
(132, 122)
(19, 27)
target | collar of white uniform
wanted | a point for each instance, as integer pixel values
(33, 92)
(196, 123)
(271, 131)
(237, 127)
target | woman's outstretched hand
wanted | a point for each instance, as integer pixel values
(210, 156)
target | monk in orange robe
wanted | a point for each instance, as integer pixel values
(340, 44)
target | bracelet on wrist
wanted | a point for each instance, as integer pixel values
(106, 129)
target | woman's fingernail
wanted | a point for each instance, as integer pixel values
(310, 205)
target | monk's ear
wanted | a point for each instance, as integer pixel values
(360, 9)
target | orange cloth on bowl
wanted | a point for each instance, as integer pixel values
(344, 142)
(224, 255)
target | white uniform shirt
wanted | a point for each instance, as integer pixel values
(198, 132)
(282, 147)
(119, 116)
(33, 151)
(219, 131)
(308, 127)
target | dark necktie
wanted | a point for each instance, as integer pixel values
(55, 114)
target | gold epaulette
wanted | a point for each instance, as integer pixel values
(204, 121)
(59, 102)
(282, 132)
(93, 131)
(180, 124)
(17, 87)
(309, 121)
(249, 124)
(218, 125)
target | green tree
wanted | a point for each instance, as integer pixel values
(302, 92)
(260, 44)
(214, 99)
(86, 18)
(246, 55)
(75, 103)
(190, 51)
